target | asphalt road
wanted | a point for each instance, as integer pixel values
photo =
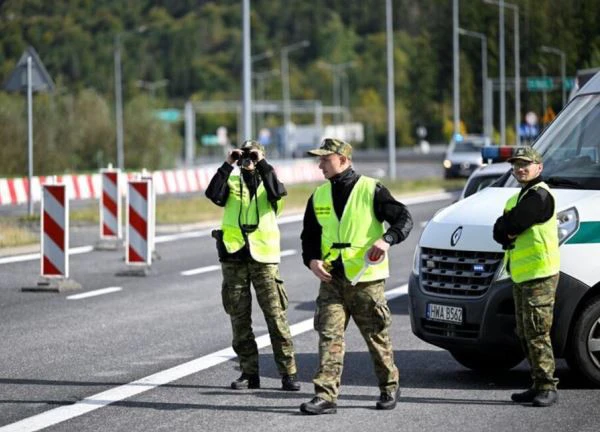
(154, 355)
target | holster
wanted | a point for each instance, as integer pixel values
(221, 250)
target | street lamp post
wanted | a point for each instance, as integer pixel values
(563, 67)
(484, 72)
(337, 69)
(285, 87)
(246, 73)
(119, 94)
(260, 78)
(456, 67)
(391, 101)
(543, 69)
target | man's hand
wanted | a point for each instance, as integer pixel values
(379, 248)
(318, 268)
(231, 158)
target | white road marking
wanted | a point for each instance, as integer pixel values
(116, 394)
(210, 268)
(200, 270)
(94, 293)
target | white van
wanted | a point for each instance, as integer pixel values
(459, 293)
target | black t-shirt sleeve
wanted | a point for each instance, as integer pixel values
(536, 206)
(218, 189)
(388, 209)
(311, 235)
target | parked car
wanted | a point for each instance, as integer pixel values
(464, 155)
(483, 177)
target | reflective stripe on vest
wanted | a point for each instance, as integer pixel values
(355, 233)
(536, 253)
(264, 241)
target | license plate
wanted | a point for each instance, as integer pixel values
(436, 312)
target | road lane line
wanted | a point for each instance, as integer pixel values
(205, 233)
(117, 394)
(200, 270)
(210, 268)
(94, 293)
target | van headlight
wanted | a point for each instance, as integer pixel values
(447, 164)
(568, 224)
(417, 261)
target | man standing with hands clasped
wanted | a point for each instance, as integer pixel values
(249, 251)
(343, 227)
(527, 231)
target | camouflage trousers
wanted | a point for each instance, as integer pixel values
(366, 304)
(272, 299)
(534, 308)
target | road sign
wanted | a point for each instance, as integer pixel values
(169, 115)
(40, 78)
(209, 140)
(540, 83)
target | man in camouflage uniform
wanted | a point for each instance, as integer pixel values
(343, 224)
(527, 231)
(248, 246)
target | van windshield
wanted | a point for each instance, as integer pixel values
(570, 147)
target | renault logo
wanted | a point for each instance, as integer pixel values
(456, 236)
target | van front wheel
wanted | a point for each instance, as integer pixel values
(585, 343)
(487, 361)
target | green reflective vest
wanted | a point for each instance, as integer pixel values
(355, 233)
(536, 254)
(263, 242)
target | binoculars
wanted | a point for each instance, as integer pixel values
(245, 158)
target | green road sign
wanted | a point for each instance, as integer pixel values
(169, 115)
(540, 83)
(209, 140)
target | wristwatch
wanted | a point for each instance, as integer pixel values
(388, 238)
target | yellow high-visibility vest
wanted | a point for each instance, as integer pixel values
(263, 242)
(355, 233)
(536, 253)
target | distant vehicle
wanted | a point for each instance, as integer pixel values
(464, 155)
(483, 177)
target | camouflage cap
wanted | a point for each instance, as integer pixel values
(527, 154)
(331, 146)
(251, 144)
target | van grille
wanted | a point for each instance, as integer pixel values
(458, 273)
(467, 331)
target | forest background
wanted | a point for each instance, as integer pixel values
(194, 48)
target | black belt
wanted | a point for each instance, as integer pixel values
(340, 245)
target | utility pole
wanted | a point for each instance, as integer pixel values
(391, 119)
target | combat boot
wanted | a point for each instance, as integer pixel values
(545, 398)
(524, 397)
(387, 401)
(246, 381)
(317, 406)
(290, 383)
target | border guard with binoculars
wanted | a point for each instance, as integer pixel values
(249, 252)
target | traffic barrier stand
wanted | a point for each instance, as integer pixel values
(152, 222)
(138, 255)
(54, 241)
(110, 209)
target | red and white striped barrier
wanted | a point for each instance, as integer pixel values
(55, 231)
(139, 205)
(89, 186)
(54, 241)
(110, 205)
